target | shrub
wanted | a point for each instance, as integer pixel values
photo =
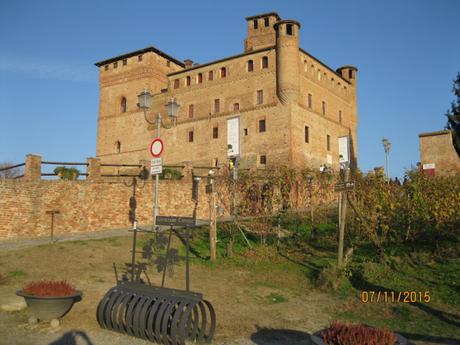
(170, 174)
(347, 334)
(67, 173)
(49, 288)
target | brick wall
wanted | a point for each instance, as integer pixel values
(87, 205)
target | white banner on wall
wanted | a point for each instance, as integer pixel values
(344, 149)
(233, 136)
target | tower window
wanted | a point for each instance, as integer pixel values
(190, 110)
(123, 105)
(245, 131)
(324, 107)
(289, 29)
(217, 105)
(215, 132)
(340, 116)
(350, 74)
(139, 58)
(328, 142)
(106, 67)
(176, 83)
(265, 62)
(118, 146)
(305, 66)
(190, 136)
(236, 106)
(256, 24)
(260, 96)
(250, 66)
(262, 127)
(125, 61)
(263, 159)
(168, 63)
(319, 75)
(223, 72)
(310, 100)
(200, 78)
(307, 134)
(115, 64)
(189, 80)
(210, 75)
(266, 22)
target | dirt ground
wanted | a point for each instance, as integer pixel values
(240, 296)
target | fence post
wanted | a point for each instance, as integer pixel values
(33, 168)
(93, 169)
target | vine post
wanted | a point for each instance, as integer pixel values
(342, 217)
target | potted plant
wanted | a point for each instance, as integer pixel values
(340, 333)
(49, 300)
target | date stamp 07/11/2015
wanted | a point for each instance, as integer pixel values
(395, 296)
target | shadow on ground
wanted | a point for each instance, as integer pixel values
(270, 336)
(73, 338)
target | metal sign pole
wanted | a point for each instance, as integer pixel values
(157, 181)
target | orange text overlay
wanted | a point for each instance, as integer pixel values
(395, 296)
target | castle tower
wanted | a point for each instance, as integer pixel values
(261, 33)
(287, 60)
(348, 73)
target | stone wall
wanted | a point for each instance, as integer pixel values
(437, 148)
(88, 205)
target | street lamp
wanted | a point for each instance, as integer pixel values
(386, 146)
(172, 108)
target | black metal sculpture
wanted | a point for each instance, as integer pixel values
(163, 315)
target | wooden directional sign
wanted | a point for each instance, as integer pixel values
(343, 186)
(176, 221)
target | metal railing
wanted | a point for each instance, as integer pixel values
(13, 166)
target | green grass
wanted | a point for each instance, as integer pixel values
(17, 274)
(274, 298)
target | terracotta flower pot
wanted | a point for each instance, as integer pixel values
(48, 308)
(316, 339)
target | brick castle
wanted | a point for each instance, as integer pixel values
(272, 104)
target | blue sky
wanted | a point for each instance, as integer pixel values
(407, 53)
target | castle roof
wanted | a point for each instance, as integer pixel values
(264, 15)
(429, 134)
(137, 52)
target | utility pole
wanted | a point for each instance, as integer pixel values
(213, 219)
(342, 217)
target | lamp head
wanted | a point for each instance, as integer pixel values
(172, 108)
(145, 100)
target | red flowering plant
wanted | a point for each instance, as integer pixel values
(49, 289)
(347, 334)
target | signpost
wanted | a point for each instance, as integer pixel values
(156, 168)
(344, 186)
(156, 147)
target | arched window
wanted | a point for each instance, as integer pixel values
(189, 80)
(236, 106)
(118, 146)
(250, 66)
(123, 105)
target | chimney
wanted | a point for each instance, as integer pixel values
(188, 63)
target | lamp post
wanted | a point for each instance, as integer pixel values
(386, 146)
(172, 107)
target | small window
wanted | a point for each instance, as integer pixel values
(123, 105)
(210, 75)
(168, 63)
(266, 21)
(115, 64)
(106, 67)
(217, 105)
(176, 83)
(190, 136)
(125, 61)
(256, 24)
(189, 80)
(223, 72)
(328, 142)
(262, 127)
(245, 132)
(190, 110)
(236, 106)
(265, 62)
(340, 116)
(263, 159)
(289, 29)
(350, 74)
(260, 96)
(324, 107)
(319, 75)
(250, 66)
(215, 132)
(307, 134)
(305, 66)
(200, 78)
(139, 58)
(310, 100)
(118, 146)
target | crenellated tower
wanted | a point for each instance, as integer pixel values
(287, 60)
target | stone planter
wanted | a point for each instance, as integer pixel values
(317, 340)
(48, 308)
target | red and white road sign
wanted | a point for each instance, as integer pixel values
(156, 147)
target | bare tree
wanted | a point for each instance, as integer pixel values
(9, 173)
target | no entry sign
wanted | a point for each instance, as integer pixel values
(156, 147)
